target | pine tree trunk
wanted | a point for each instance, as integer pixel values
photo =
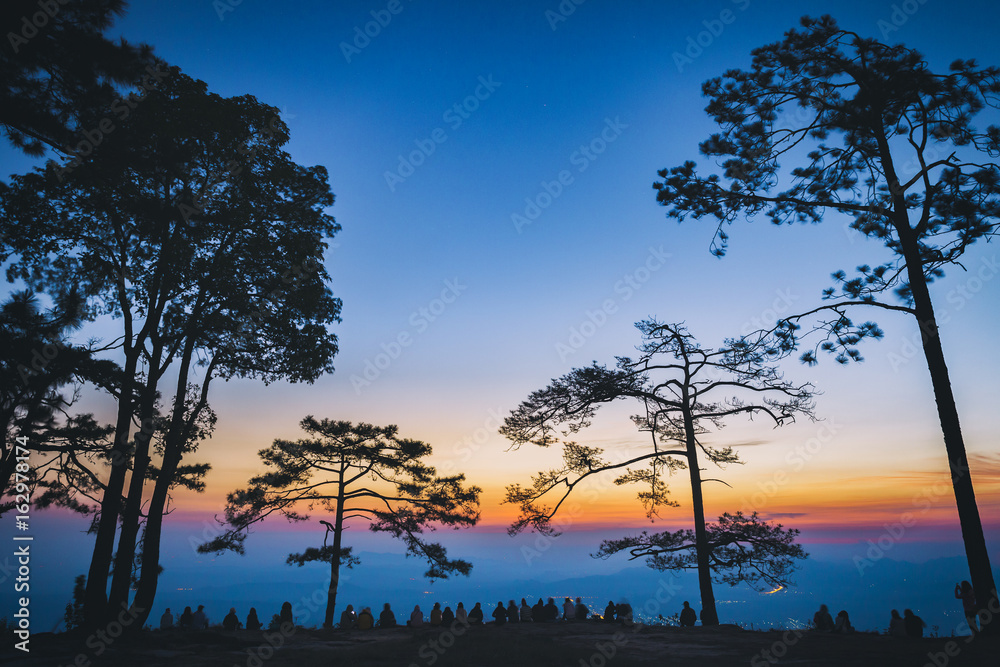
(176, 440)
(968, 511)
(331, 593)
(709, 615)
(121, 582)
(338, 531)
(149, 576)
(96, 604)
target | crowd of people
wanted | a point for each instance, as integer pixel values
(511, 612)
(198, 620)
(907, 625)
(350, 619)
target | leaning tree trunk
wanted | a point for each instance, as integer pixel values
(709, 615)
(96, 600)
(968, 511)
(331, 592)
(121, 582)
(178, 437)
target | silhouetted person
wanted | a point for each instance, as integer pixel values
(822, 620)
(967, 595)
(609, 612)
(688, 617)
(347, 619)
(913, 623)
(500, 613)
(476, 615)
(167, 620)
(580, 611)
(525, 611)
(386, 619)
(460, 614)
(512, 613)
(416, 618)
(538, 611)
(551, 611)
(896, 626)
(625, 614)
(447, 617)
(843, 623)
(365, 619)
(231, 621)
(569, 611)
(253, 623)
(436, 614)
(285, 617)
(186, 619)
(199, 620)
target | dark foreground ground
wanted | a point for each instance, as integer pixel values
(582, 644)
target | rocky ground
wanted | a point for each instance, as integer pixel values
(592, 644)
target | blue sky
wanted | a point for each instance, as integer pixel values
(584, 111)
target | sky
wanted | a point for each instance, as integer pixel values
(492, 165)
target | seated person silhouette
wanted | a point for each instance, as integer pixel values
(914, 624)
(843, 623)
(500, 614)
(386, 619)
(551, 611)
(688, 616)
(347, 619)
(525, 611)
(822, 620)
(538, 611)
(231, 621)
